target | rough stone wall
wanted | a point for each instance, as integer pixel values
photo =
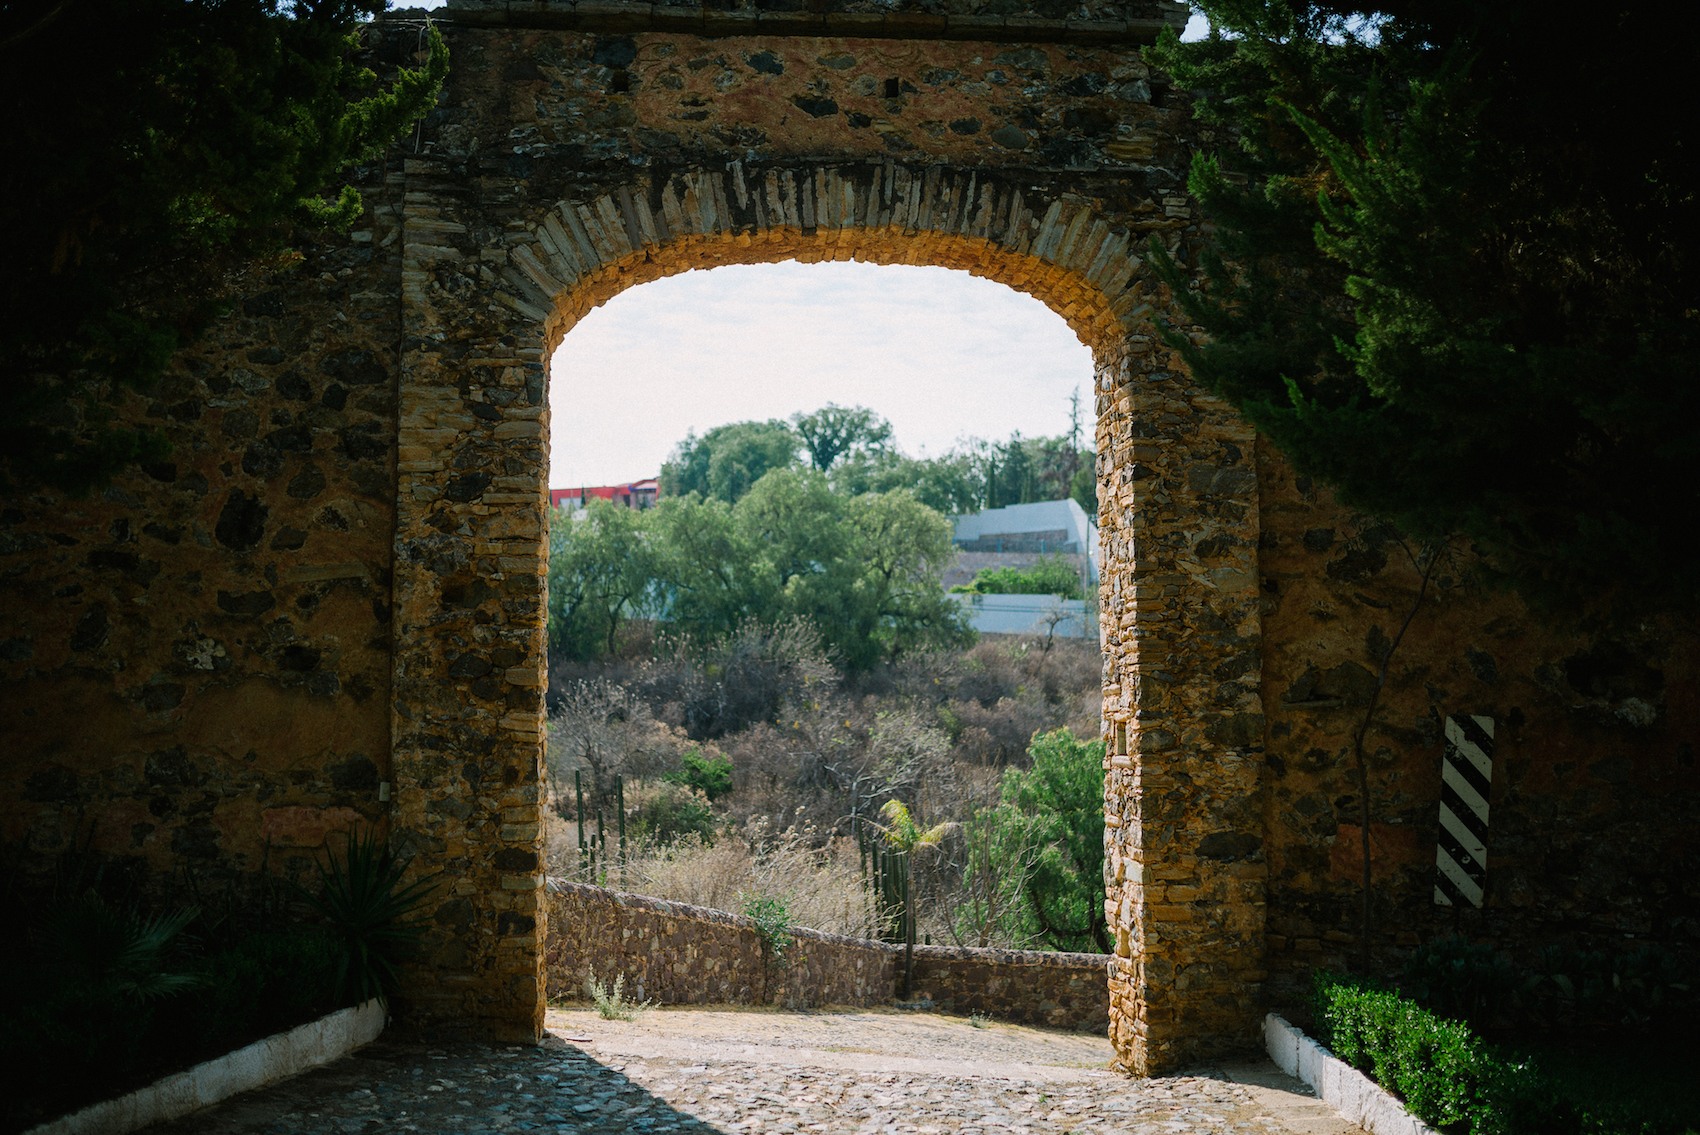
(195, 663)
(1185, 870)
(1592, 837)
(1127, 21)
(1030, 987)
(677, 954)
(337, 582)
(566, 166)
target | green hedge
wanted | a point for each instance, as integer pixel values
(1449, 1077)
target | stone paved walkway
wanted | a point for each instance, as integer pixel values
(702, 1072)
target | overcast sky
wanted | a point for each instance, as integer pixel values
(940, 354)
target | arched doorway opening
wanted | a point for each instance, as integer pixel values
(1178, 527)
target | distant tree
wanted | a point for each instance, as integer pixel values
(158, 151)
(602, 569)
(1083, 489)
(727, 461)
(710, 577)
(865, 570)
(899, 601)
(953, 484)
(835, 431)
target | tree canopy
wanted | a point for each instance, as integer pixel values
(1455, 282)
(727, 461)
(159, 150)
(854, 447)
(834, 431)
(864, 571)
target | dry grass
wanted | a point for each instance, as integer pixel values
(821, 887)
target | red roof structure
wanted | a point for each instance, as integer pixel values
(636, 494)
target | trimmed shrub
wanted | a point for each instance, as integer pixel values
(1449, 1077)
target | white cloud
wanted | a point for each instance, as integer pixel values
(939, 353)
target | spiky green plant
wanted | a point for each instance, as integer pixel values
(362, 898)
(114, 952)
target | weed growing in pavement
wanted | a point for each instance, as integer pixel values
(611, 1003)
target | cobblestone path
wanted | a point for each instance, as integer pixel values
(702, 1072)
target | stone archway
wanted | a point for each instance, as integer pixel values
(1179, 526)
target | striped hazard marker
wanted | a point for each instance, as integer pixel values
(1466, 772)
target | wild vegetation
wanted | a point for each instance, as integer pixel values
(162, 152)
(751, 767)
(761, 696)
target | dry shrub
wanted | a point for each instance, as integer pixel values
(822, 887)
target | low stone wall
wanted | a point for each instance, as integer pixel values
(1030, 987)
(676, 954)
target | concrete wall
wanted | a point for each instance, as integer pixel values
(675, 954)
(1028, 614)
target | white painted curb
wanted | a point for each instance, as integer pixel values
(1355, 1096)
(315, 1043)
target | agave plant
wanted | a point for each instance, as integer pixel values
(361, 897)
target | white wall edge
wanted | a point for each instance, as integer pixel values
(1355, 1096)
(263, 1062)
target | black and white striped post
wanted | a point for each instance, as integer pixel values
(1466, 774)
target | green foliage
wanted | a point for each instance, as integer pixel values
(950, 484)
(1036, 861)
(105, 1000)
(601, 573)
(1449, 289)
(1441, 1069)
(1565, 986)
(269, 982)
(863, 571)
(835, 431)
(161, 149)
(611, 1003)
(1083, 489)
(672, 812)
(978, 474)
(712, 776)
(1456, 979)
(112, 952)
(1062, 795)
(772, 917)
(1052, 575)
(363, 900)
(727, 461)
(1448, 1075)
